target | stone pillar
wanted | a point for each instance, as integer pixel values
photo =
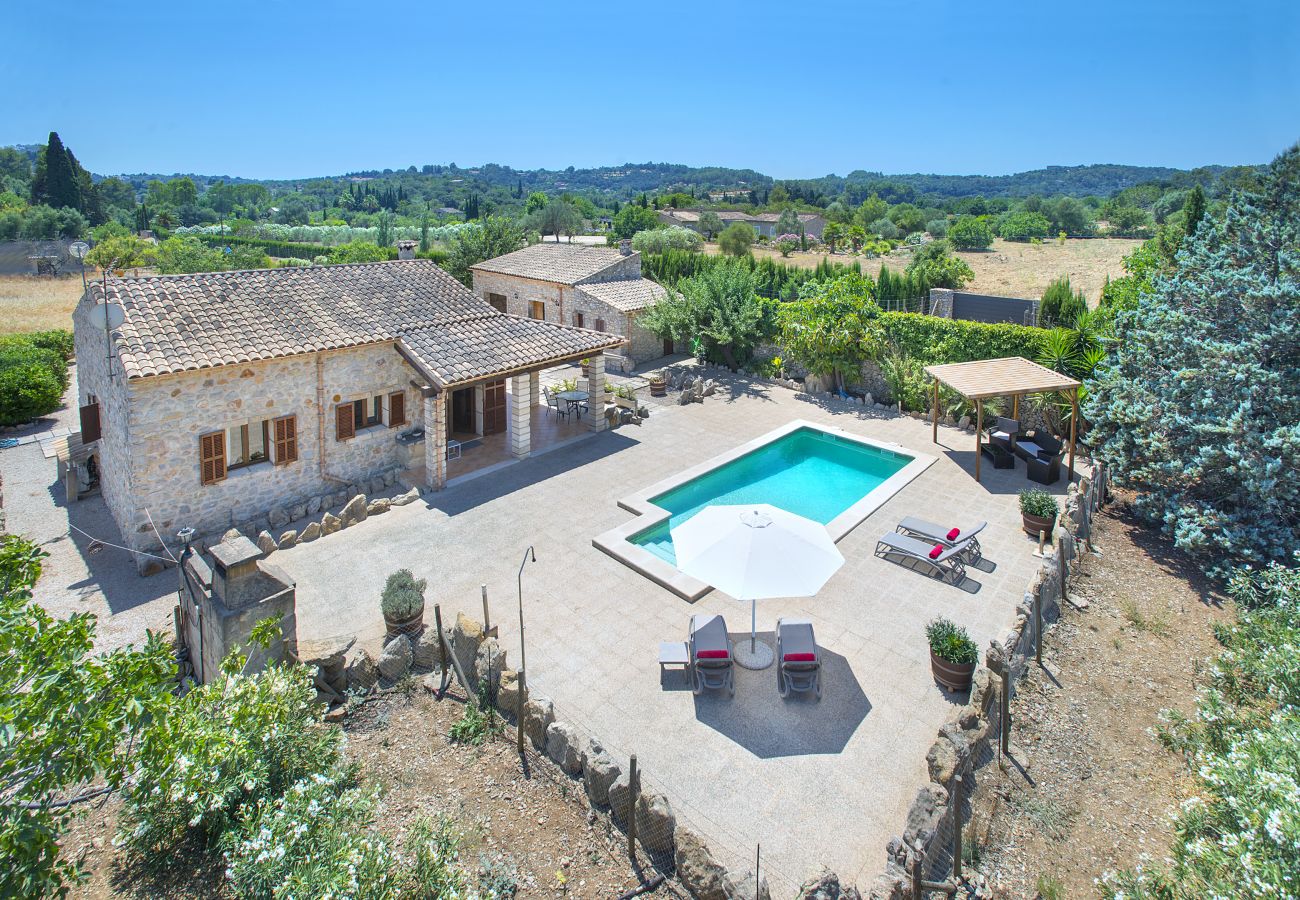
(941, 302)
(435, 441)
(519, 417)
(480, 397)
(534, 389)
(596, 386)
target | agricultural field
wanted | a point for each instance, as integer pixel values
(1010, 269)
(28, 303)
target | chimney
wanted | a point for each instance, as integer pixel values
(235, 571)
(625, 247)
(406, 249)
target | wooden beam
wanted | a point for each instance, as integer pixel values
(1074, 429)
(1015, 407)
(934, 416)
(979, 436)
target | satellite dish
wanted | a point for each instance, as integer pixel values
(79, 249)
(107, 316)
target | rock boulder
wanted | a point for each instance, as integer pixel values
(266, 543)
(395, 660)
(702, 875)
(330, 523)
(562, 743)
(354, 511)
(539, 713)
(599, 771)
(310, 533)
(655, 823)
(362, 673)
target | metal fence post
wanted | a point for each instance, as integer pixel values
(633, 793)
(1004, 710)
(487, 624)
(956, 834)
(1038, 627)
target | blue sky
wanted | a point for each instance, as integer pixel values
(277, 90)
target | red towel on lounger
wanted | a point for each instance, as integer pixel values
(937, 551)
(801, 657)
(952, 535)
(712, 654)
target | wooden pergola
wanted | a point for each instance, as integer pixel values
(1011, 377)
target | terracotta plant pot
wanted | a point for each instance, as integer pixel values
(658, 388)
(955, 677)
(1034, 524)
(410, 627)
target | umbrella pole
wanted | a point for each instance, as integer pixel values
(753, 622)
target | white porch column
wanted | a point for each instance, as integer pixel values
(534, 388)
(480, 398)
(435, 440)
(519, 416)
(596, 386)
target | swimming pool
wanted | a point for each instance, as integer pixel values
(808, 472)
(822, 473)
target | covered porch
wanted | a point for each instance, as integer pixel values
(483, 404)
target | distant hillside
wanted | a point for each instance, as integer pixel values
(629, 180)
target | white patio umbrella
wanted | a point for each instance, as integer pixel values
(755, 552)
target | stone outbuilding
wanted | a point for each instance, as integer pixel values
(223, 399)
(574, 284)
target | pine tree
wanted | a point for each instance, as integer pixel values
(1198, 410)
(1193, 210)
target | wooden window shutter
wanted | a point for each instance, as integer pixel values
(345, 425)
(90, 427)
(212, 457)
(285, 439)
(396, 409)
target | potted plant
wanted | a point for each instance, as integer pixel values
(953, 654)
(586, 368)
(658, 386)
(1038, 511)
(402, 603)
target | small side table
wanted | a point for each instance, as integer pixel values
(453, 450)
(673, 653)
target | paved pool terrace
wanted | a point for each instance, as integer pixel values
(818, 784)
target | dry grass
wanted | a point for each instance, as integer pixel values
(1008, 269)
(29, 303)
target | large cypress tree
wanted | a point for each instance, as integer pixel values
(56, 181)
(1193, 209)
(1199, 410)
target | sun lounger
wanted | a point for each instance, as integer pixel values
(948, 564)
(931, 532)
(710, 654)
(798, 661)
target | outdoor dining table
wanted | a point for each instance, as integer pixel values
(573, 398)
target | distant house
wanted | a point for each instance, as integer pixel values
(229, 396)
(763, 223)
(577, 285)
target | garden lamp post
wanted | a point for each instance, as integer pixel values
(530, 555)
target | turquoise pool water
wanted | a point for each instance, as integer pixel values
(807, 472)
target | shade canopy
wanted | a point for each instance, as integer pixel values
(1006, 377)
(756, 551)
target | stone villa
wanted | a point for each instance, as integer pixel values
(225, 397)
(589, 287)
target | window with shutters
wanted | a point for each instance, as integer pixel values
(578, 319)
(396, 409)
(537, 310)
(212, 457)
(345, 422)
(285, 432)
(600, 324)
(248, 444)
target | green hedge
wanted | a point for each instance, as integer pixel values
(774, 280)
(934, 341)
(33, 374)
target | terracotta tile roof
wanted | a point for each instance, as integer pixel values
(559, 263)
(471, 349)
(178, 323)
(627, 295)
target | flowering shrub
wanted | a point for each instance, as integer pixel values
(225, 746)
(657, 240)
(1237, 837)
(787, 243)
(317, 840)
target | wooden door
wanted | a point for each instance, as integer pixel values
(494, 407)
(668, 346)
(462, 411)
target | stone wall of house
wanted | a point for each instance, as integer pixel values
(165, 416)
(521, 292)
(627, 267)
(112, 454)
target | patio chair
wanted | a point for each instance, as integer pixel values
(1042, 455)
(1004, 433)
(939, 535)
(710, 655)
(553, 404)
(946, 563)
(798, 661)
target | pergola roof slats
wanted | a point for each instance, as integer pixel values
(1005, 377)
(1010, 376)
